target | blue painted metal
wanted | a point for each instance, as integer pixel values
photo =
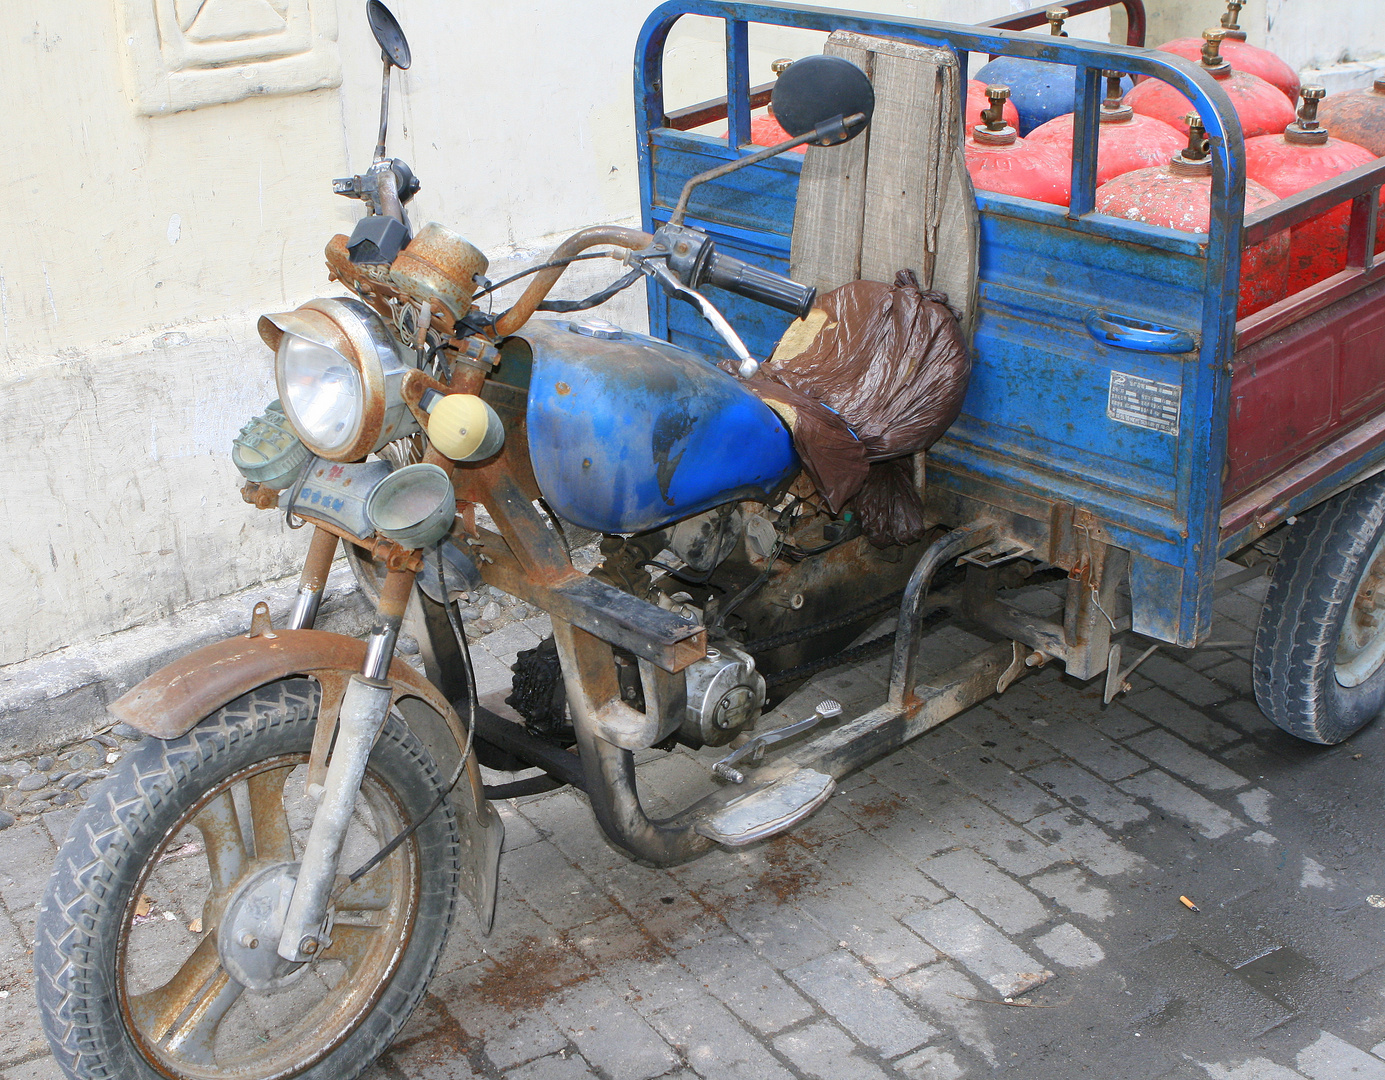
(1039, 91)
(1034, 438)
(631, 433)
(1123, 332)
(738, 82)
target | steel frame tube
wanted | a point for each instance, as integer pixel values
(593, 694)
(906, 646)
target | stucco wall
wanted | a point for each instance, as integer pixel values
(1307, 35)
(172, 182)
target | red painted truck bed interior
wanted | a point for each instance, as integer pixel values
(1302, 388)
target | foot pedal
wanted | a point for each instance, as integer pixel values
(769, 810)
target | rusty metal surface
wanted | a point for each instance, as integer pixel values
(171, 701)
(373, 284)
(194, 1016)
(322, 549)
(1038, 16)
(713, 109)
(650, 632)
(440, 267)
(333, 687)
(543, 281)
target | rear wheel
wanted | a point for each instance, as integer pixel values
(1319, 667)
(147, 963)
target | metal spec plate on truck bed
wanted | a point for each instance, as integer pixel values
(1143, 403)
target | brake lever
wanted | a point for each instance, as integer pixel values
(668, 281)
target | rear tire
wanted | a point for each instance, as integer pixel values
(1319, 665)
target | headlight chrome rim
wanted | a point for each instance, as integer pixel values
(358, 334)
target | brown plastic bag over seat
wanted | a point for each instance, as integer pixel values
(874, 373)
(878, 371)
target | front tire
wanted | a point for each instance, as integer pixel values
(1319, 666)
(129, 979)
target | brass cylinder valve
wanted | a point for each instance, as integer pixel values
(993, 130)
(1307, 130)
(1113, 110)
(1195, 158)
(1213, 62)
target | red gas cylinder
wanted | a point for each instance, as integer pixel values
(1358, 116)
(1127, 140)
(765, 129)
(999, 160)
(1179, 196)
(976, 101)
(1301, 157)
(1239, 55)
(1263, 109)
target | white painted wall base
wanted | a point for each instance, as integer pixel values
(61, 697)
(1356, 75)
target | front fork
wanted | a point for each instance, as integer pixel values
(364, 706)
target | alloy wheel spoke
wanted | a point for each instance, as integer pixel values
(157, 1011)
(194, 1039)
(350, 943)
(219, 825)
(267, 815)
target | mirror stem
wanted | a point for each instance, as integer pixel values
(384, 109)
(760, 155)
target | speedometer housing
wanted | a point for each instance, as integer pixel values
(339, 374)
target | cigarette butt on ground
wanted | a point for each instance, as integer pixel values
(1188, 904)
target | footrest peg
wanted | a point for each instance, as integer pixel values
(771, 809)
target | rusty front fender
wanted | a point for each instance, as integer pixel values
(172, 701)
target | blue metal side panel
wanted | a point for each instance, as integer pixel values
(1034, 423)
(1035, 420)
(749, 214)
(630, 434)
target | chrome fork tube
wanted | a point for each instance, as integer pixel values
(364, 707)
(313, 581)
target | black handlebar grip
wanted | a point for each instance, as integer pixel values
(764, 286)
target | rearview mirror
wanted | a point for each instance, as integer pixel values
(390, 35)
(817, 89)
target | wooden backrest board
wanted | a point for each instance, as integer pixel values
(897, 196)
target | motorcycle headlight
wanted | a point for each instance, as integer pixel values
(339, 376)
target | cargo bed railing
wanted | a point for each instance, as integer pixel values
(1088, 59)
(1361, 186)
(714, 109)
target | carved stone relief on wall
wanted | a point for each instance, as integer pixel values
(184, 54)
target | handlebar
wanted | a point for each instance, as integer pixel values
(757, 283)
(696, 259)
(544, 281)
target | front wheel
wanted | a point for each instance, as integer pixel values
(1319, 666)
(145, 968)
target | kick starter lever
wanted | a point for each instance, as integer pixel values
(755, 748)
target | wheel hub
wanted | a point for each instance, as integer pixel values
(250, 928)
(1361, 644)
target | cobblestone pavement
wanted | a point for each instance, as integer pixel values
(1002, 896)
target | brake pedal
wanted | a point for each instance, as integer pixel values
(755, 749)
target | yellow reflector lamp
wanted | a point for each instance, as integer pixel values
(463, 427)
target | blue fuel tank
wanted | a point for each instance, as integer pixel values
(628, 433)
